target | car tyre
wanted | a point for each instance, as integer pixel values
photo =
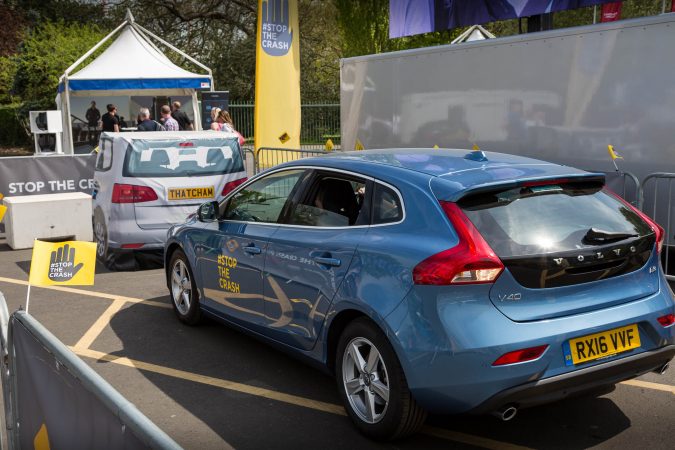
(372, 384)
(100, 235)
(183, 289)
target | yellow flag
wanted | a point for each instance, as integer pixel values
(358, 145)
(3, 210)
(475, 147)
(614, 155)
(436, 146)
(329, 145)
(277, 76)
(71, 263)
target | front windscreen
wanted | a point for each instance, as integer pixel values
(182, 158)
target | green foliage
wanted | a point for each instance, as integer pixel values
(46, 52)
(8, 68)
(12, 131)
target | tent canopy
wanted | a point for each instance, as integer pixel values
(133, 63)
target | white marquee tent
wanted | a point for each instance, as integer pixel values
(131, 65)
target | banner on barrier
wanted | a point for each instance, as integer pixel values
(54, 409)
(46, 175)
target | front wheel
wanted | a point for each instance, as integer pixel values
(372, 384)
(183, 289)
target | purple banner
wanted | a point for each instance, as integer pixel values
(409, 17)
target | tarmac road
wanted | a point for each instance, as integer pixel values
(210, 387)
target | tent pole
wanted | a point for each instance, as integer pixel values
(185, 55)
(91, 50)
(69, 125)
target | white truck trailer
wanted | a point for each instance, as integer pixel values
(561, 95)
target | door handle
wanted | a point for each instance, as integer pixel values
(327, 261)
(252, 250)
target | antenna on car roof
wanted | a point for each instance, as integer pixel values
(476, 155)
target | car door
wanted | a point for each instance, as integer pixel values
(309, 254)
(232, 261)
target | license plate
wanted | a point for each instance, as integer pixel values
(190, 193)
(600, 345)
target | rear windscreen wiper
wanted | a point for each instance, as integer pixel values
(595, 236)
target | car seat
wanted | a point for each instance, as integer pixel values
(337, 196)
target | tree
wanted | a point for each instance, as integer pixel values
(45, 53)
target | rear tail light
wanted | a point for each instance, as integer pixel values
(471, 261)
(519, 356)
(231, 185)
(667, 320)
(658, 230)
(130, 193)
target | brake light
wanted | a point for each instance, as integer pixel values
(471, 261)
(231, 185)
(545, 182)
(186, 144)
(519, 356)
(130, 193)
(658, 230)
(667, 320)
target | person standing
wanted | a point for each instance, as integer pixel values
(170, 124)
(146, 123)
(223, 122)
(110, 120)
(184, 122)
(93, 116)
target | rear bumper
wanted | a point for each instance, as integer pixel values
(569, 384)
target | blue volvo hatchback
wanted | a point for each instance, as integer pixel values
(447, 281)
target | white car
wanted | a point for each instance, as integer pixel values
(145, 182)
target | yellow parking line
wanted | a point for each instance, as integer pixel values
(104, 319)
(84, 292)
(303, 402)
(216, 382)
(649, 385)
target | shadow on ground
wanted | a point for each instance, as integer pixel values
(154, 335)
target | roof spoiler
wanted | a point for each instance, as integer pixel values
(598, 178)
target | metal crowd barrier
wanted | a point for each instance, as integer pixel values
(266, 157)
(625, 184)
(655, 192)
(44, 383)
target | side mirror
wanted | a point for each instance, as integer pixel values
(208, 212)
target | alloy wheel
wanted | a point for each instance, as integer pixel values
(365, 379)
(181, 287)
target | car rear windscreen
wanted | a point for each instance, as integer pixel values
(552, 218)
(171, 158)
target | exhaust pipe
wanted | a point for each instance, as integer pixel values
(506, 413)
(661, 370)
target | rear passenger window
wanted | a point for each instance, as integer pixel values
(387, 206)
(332, 201)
